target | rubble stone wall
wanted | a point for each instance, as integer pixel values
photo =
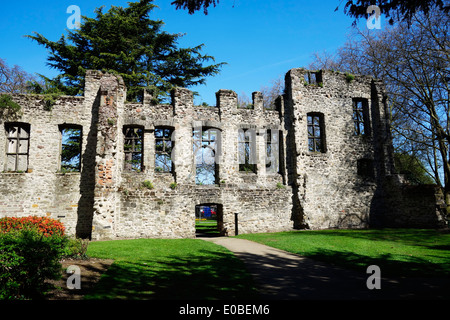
(342, 186)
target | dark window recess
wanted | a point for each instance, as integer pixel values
(247, 150)
(133, 148)
(71, 138)
(272, 151)
(313, 77)
(18, 141)
(316, 137)
(163, 150)
(365, 168)
(361, 117)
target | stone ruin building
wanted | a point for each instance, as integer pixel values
(321, 158)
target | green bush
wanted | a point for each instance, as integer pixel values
(6, 102)
(349, 77)
(27, 260)
(76, 248)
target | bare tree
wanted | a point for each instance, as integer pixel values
(414, 62)
(13, 79)
(272, 92)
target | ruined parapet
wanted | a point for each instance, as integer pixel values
(182, 101)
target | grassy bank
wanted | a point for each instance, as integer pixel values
(398, 252)
(170, 269)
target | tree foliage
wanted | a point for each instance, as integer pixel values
(127, 42)
(396, 10)
(194, 5)
(414, 170)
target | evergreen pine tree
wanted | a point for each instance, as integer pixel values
(127, 42)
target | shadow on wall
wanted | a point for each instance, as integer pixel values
(87, 177)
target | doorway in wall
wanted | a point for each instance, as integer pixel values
(208, 220)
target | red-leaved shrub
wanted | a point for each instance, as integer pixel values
(47, 226)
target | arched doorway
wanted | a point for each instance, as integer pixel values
(208, 220)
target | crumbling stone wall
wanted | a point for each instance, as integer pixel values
(312, 190)
(329, 189)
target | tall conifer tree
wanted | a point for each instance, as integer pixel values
(127, 42)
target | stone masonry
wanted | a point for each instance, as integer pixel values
(316, 161)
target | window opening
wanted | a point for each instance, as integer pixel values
(360, 116)
(247, 150)
(133, 148)
(365, 168)
(206, 148)
(313, 78)
(71, 149)
(272, 151)
(315, 133)
(18, 139)
(163, 150)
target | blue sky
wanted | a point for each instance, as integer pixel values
(259, 40)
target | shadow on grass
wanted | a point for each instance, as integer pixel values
(417, 237)
(296, 278)
(220, 276)
(404, 266)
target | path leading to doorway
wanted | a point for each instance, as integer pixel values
(280, 275)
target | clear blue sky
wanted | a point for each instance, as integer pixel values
(260, 40)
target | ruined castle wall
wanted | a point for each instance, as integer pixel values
(41, 188)
(343, 185)
(170, 212)
(331, 193)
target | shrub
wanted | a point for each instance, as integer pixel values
(27, 259)
(46, 226)
(147, 184)
(280, 186)
(6, 102)
(30, 251)
(50, 100)
(349, 77)
(76, 248)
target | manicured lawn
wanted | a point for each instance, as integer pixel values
(398, 252)
(170, 269)
(206, 227)
(198, 269)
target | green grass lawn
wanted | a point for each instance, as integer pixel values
(198, 269)
(170, 269)
(398, 252)
(206, 227)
